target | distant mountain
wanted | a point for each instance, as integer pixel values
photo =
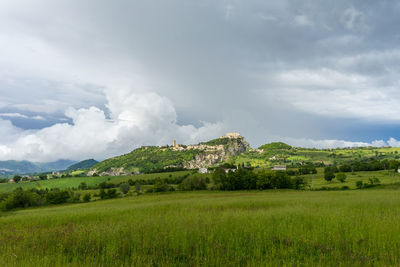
(22, 167)
(85, 164)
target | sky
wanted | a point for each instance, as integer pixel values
(98, 78)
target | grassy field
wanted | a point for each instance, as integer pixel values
(71, 182)
(296, 155)
(269, 228)
(316, 181)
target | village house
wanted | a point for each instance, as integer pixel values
(279, 168)
(203, 170)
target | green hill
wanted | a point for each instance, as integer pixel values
(237, 151)
(275, 146)
(153, 158)
(85, 164)
(146, 159)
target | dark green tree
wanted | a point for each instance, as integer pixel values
(124, 188)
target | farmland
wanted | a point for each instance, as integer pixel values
(277, 227)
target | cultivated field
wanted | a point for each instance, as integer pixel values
(246, 228)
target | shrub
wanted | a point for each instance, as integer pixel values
(124, 188)
(329, 176)
(341, 177)
(17, 178)
(193, 183)
(161, 186)
(82, 186)
(20, 199)
(57, 196)
(138, 187)
(111, 193)
(359, 184)
(87, 197)
(102, 194)
(299, 182)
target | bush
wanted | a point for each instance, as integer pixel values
(161, 186)
(57, 196)
(329, 176)
(87, 197)
(299, 182)
(359, 184)
(341, 177)
(193, 183)
(20, 199)
(17, 178)
(102, 194)
(82, 186)
(124, 188)
(111, 193)
(138, 187)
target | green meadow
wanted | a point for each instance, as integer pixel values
(315, 181)
(74, 182)
(244, 228)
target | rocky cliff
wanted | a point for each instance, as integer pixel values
(232, 146)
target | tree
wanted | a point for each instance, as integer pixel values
(87, 197)
(124, 188)
(359, 184)
(341, 177)
(102, 194)
(161, 186)
(17, 178)
(111, 193)
(193, 183)
(329, 176)
(43, 177)
(57, 196)
(82, 186)
(138, 187)
(219, 176)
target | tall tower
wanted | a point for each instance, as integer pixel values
(174, 143)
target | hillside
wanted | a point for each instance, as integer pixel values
(280, 153)
(152, 158)
(233, 149)
(85, 164)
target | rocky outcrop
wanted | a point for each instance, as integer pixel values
(112, 172)
(204, 160)
(234, 147)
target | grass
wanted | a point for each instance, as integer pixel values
(327, 156)
(71, 182)
(269, 228)
(317, 181)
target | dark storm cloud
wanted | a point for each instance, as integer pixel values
(266, 68)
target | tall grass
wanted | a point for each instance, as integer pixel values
(210, 229)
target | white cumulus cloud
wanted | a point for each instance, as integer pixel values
(135, 118)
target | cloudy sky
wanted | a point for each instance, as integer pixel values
(97, 78)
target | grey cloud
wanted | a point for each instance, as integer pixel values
(264, 68)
